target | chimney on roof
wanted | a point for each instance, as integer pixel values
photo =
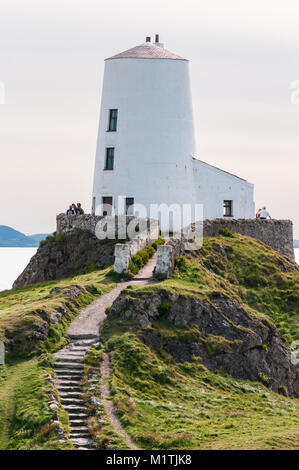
(148, 39)
(157, 41)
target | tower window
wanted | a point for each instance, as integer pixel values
(107, 205)
(109, 164)
(112, 127)
(227, 208)
(129, 206)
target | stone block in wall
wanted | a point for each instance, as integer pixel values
(165, 260)
(166, 256)
(122, 258)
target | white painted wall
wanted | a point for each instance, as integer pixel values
(154, 142)
(213, 186)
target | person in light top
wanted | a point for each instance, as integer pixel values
(257, 215)
(264, 214)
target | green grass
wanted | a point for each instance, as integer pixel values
(165, 405)
(264, 279)
(26, 310)
(103, 433)
(26, 423)
(160, 403)
(25, 419)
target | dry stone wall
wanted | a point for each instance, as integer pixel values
(278, 234)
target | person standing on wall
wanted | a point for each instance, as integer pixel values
(264, 214)
(80, 211)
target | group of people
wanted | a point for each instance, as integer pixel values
(75, 209)
(263, 214)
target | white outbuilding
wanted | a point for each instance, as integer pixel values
(146, 152)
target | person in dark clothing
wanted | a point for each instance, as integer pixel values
(79, 209)
(75, 209)
(70, 211)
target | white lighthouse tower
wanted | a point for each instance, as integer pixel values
(146, 132)
(146, 153)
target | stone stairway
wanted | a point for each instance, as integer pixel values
(68, 362)
(68, 366)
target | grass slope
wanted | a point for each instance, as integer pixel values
(25, 419)
(166, 405)
(26, 422)
(161, 404)
(26, 310)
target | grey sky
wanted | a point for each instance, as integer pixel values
(244, 55)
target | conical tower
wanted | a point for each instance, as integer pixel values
(146, 133)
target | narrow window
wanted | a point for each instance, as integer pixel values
(109, 164)
(129, 206)
(228, 208)
(107, 205)
(93, 210)
(112, 127)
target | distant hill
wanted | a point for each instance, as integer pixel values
(38, 237)
(296, 243)
(10, 237)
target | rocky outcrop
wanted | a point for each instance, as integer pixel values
(63, 256)
(27, 336)
(219, 330)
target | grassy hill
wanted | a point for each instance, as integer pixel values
(162, 402)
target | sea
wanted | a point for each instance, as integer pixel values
(14, 260)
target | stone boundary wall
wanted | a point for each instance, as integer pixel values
(124, 251)
(166, 255)
(148, 232)
(66, 224)
(278, 234)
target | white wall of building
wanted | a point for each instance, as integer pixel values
(213, 186)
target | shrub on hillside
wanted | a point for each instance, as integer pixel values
(226, 233)
(158, 242)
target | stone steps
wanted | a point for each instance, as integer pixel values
(83, 442)
(72, 366)
(69, 373)
(68, 358)
(79, 429)
(76, 415)
(68, 388)
(77, 395)
(77, 423)
(72, 355)
(84, 337)
(70, 408)
(68, 366)
(72, 401)
(67, 383)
